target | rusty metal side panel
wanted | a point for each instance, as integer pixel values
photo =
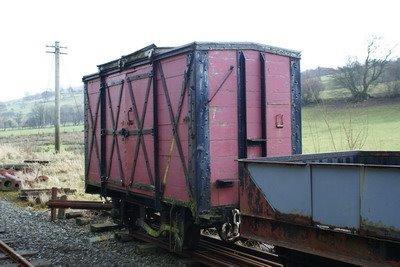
(336, 196)
(380, 202)
(335, 245)
(286, 188)
(255, 201)
(354, 198)
(252, 201)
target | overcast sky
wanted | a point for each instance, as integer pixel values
(326, 32)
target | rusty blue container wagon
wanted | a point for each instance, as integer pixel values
(343, 205)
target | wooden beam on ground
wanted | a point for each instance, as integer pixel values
(103, 227)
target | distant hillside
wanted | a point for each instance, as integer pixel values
(319, 72)
(69, 96)
(37, 110)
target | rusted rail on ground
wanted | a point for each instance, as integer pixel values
(233, 254)
(36, 192)
(13, 255)
(213, 252)
(79, 204)
(61, 203)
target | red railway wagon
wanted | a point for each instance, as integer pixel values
(165, 127)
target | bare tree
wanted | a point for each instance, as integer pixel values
(355, 130)
(71, 114)
(359, 77)
(311, 88)
(18, 119)
(40, 115)
(313, 132)
(392, 78)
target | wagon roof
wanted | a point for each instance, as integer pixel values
(152, 51)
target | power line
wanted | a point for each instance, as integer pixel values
(57, 52)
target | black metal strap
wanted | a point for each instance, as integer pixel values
(175, 120)
(139, 76)
(140, 123)
(229, 72)
(256, 142)
(113, 83)
(103, 144)
(263, 96)
(126, 133)
(242, 123)
(115, 142)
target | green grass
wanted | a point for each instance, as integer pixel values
(376, 124)
(42, 140)
(35, 131)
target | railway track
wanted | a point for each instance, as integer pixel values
(212, 252)
(14, 256)
(233, 254)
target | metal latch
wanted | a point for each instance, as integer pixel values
(124, 132)
(279, 121)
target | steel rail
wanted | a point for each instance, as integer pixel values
(77, 204)
(210, 252)
(241, 253)
(12, 254)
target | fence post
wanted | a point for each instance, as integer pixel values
(53, 211)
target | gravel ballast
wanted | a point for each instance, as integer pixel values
(63, 243)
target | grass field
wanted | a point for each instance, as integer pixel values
(45, 130)
(372, 125)
(42, 140)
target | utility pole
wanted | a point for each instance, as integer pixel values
(57, 52)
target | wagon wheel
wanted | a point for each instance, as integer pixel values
(125, 213)
(185, 234)
(116, 212)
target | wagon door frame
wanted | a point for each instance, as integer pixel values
(137, 117)
(107, 110)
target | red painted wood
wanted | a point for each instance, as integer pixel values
(278, 102)
(113, 92)
(223, 126)
(222, 122)
(93, 96)
(174, 69)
